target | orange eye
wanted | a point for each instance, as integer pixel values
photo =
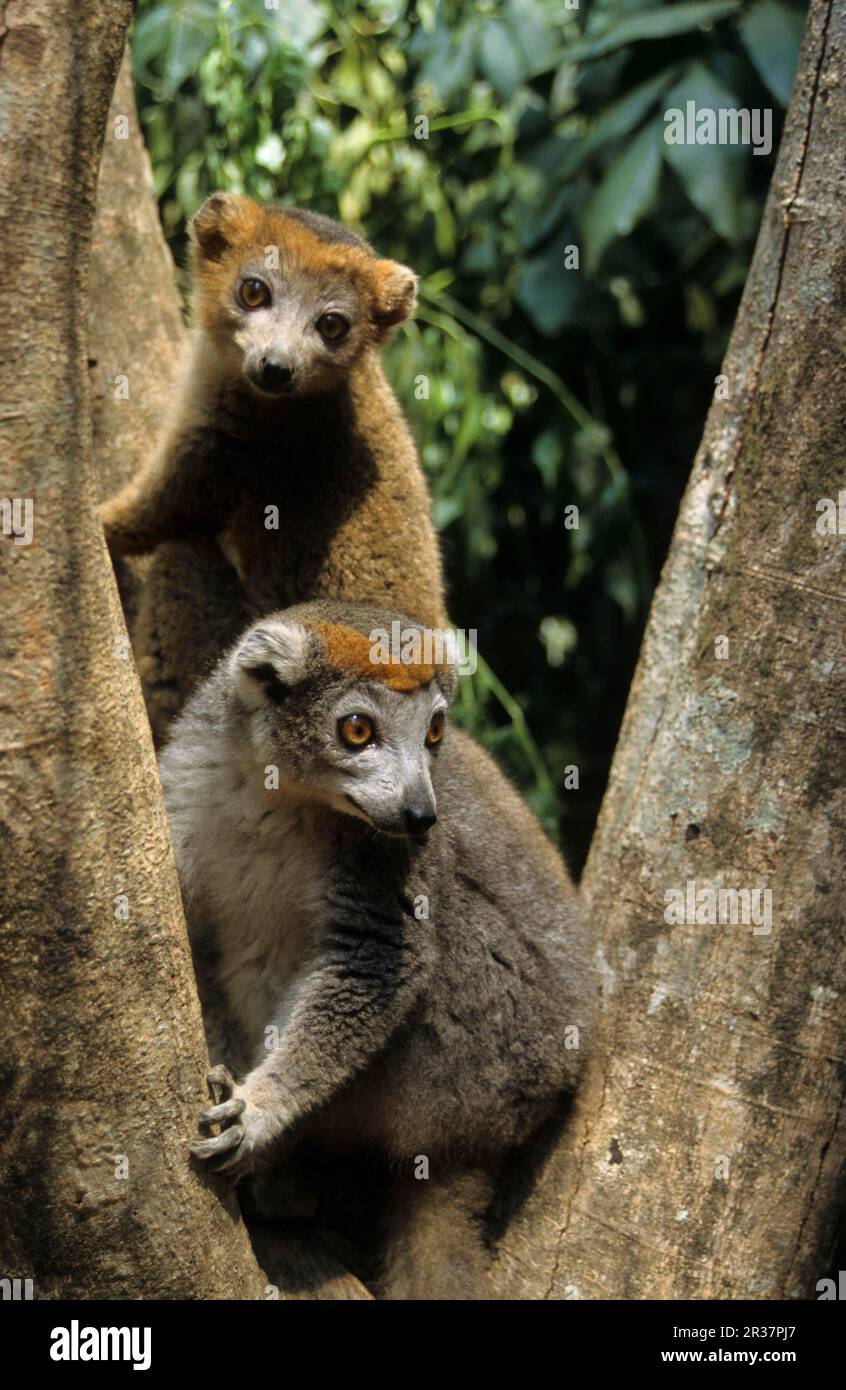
(254, 294)
(333, 327)
(437, 728)
(355, 730)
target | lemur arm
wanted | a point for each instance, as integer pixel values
(363, 986)
(174, 496)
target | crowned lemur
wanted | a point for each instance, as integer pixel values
(390, 953)
(286, 471)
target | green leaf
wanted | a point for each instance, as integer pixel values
(623, 115)
(501, 63)
(480, 257)
(453, 69)
(711, 175)
(617, 119)
(535, 219)
(548, 291)
(445, 511)
(659, 23)
(772, 34)
(300, 21)
(527, 23)
(189, 40)
(627, 192)
(149, 37)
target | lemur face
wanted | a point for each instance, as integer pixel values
(362, 744)
(288, 298)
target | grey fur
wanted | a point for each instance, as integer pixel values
(334, 233)
(444, 1035)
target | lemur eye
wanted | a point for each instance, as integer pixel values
(333, 327)
(437, 728)
(253, 294)
(355, 730)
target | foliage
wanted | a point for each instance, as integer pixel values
(482, 142)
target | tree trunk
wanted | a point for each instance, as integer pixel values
(134, 338)
(103, 1060)
(703, 1157)
(135, 328)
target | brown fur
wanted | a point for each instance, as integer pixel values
(336, 458)
(349, 651)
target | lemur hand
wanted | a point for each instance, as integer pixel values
(247, 1130)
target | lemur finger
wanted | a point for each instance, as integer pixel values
(221, 1143)
(222, 1114)
(220, 1078)
(235, 1163)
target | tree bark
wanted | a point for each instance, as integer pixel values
(703, 1157)
(103, 1060)
(136, 331)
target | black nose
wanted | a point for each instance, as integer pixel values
(275, 375)
(418, 821)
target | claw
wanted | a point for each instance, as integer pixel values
(220, 1078)
(222, 1114)
(228, 1152)
(221, 1143)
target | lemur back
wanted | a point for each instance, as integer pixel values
(289, 472)
(394, 948)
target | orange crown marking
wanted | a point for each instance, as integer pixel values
(252, 227)
(348, 650)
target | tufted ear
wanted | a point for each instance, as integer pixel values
(269, 662)
(223, 220)
(395, 294)
(448, 681)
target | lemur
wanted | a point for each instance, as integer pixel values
(288, 471)
(390, 953)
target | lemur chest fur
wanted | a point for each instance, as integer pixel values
(279, 527)
(265, 886)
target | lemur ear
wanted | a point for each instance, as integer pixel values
(223, 220)
(269, 662)
(395, 294)
(448, 681)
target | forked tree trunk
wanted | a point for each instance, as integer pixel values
(103, 1059)
(704, 1156)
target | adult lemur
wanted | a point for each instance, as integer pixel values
(390, 952)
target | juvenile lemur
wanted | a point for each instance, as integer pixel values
(288, 472)
(390, 953)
